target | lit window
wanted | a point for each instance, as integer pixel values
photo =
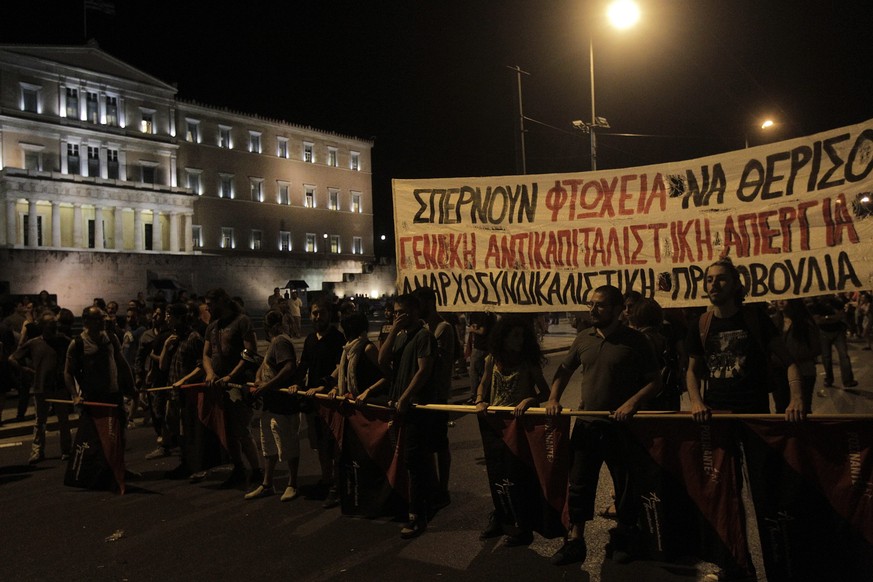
(282, 147)
(355, 161)
(257, 237)
(93, 161)
(257, 189)
(356, 202)
(147, 121)
(30, 98)
(194, 180)
(72, 103)
(197, 236)
(255, 142)
(334, 243)
(333, 199)
(192, 131)
(225, 185)
(310, 242)
(309, 196)
(227, 237)
(26, 226)
(284, 240)
(357, 245)
(308, 149)
(73, 158)
(93, 109)
(111, 110)
(284, 193)
(332, 157)
(224, 140)
(112, 164)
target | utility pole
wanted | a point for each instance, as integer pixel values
(519, 72)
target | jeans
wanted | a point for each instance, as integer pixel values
(830, 340)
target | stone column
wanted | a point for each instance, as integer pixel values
(174, 232)
(157, 233)
(119, 229)
(65, 168)
(56, 224)
(77, 226)
(98, 228)
(188, 232)
(137, 229)
(32, 224)
(11, 216)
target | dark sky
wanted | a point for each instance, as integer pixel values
(428, 80)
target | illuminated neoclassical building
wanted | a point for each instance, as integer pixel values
(109, 183)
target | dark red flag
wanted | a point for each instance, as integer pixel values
(373, 480)
(528, 461)
(98, 450)
(686, 477)
(812, 486)
(209, 404)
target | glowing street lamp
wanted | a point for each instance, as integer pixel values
(766, 125)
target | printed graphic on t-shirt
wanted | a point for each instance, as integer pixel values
(728, 354)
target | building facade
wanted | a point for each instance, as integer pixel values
(109, 182)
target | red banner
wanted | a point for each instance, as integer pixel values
(98, 450)
(528, 462)
(812, 485)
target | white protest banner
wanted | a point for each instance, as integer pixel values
(796, 218)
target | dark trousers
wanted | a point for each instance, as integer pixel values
(418, 437)
(593, 443)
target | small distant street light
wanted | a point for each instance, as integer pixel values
(766, 125)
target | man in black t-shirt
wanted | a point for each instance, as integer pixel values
(321, 353)
(731, 347)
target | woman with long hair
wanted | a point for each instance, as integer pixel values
(513, 376)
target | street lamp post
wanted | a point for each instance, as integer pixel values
(622, 14)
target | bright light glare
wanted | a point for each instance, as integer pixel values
(768, 124)
(382, 237)
(865, 199)
(623, 14)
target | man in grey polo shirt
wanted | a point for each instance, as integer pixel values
(619, 373)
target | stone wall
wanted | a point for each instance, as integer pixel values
(79, 276)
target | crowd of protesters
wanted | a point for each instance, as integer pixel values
(631, 353)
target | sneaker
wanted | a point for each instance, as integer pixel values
(258, 492)
(35, 457)
(158, 453)
(851, 384)
(197, 477)
(493, 529)
(331, 501)
(289, 494)
(413, 529)
(237, 478)
(523, 538)
(571, 552)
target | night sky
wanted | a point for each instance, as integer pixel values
(428, 81)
